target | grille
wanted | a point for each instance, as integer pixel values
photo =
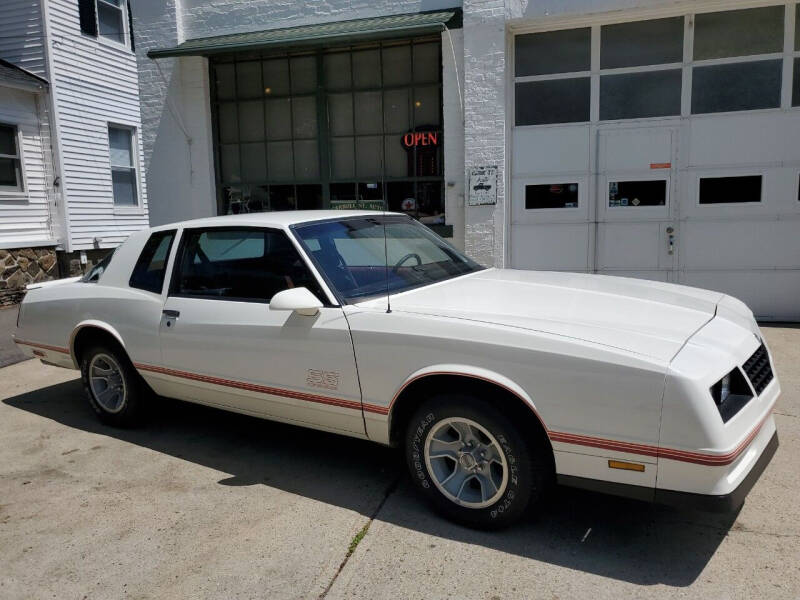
(758, 369)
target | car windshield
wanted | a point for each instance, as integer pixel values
(352, 255)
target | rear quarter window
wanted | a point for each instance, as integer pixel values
(151, 267)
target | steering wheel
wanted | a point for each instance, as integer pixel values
(400, 262)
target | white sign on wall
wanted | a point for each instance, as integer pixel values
(482, 186)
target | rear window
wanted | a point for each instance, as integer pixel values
(94, 274)
(150, 269)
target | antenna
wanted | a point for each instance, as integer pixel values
(385, 241)
(386, 261)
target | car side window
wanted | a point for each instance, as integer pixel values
(149, 271)
(245, 264)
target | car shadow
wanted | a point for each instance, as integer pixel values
(612, 537)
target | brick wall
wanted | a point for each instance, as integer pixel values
(484, 121)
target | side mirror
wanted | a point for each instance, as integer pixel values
(299, 300)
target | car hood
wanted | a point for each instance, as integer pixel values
(649, 318)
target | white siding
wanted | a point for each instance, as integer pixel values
(21, 35)
(25, 216)
(95, 83)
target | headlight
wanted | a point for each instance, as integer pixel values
(731, 393)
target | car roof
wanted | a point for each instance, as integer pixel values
(274, 219)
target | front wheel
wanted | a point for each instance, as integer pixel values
(470, 461)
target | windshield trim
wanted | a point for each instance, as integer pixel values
(399, 217)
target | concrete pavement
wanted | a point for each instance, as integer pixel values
(206, 504)
(9, 353)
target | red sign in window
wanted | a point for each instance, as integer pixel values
(421, 138)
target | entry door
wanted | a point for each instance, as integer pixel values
(222, 345)
(636, 203)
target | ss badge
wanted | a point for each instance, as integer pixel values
(328, 380)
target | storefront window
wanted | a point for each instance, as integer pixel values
(340, 128)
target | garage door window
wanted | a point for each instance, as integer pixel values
(655, 49)
(552, 71)
(731, 60)
(557, 101)
(639, 95)
(637, 193)
(738, 33)
(730, 190)
(732, 86)
(551, 195)
(641, 43)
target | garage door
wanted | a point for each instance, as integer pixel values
(664, 149)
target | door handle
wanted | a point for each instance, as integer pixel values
(171, 314)
(670, 240)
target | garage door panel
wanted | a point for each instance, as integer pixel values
(551, 150)
(771, 294)
(741, 139)
(635, 149)
(550, 246)
(740, 244)
(633, 246)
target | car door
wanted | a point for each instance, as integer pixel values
(222, 345)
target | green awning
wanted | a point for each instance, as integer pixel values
(315, 35)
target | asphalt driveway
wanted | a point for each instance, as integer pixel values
(206, 504)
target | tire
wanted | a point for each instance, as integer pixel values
(468, 490)
(125, 408)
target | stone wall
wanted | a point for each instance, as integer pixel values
(21, 266)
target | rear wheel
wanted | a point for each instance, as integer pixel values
(116, 391)
(472, 463)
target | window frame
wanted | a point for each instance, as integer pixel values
(138, 207)
(21, 189)
(789, 52)
(172, 291)
(125, 16)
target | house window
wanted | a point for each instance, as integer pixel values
(107, 19)
(123, 165)
(10, 160)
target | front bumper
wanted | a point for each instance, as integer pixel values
(725, 502)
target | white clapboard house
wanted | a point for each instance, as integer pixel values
(71, 179)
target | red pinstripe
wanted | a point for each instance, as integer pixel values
(701, 458)
(43, 346)
(252, 387)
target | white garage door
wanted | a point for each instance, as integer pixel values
(666, 149)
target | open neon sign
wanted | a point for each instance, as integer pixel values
(421, 138)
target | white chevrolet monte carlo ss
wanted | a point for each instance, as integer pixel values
(493, 382)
